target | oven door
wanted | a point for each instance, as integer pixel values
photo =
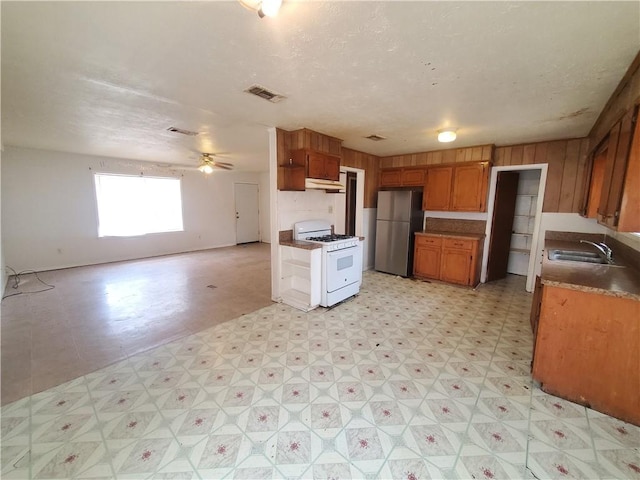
(343, 267)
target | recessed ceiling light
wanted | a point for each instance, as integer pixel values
(446, 135)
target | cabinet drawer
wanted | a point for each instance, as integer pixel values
(422, 240)
(458, 243)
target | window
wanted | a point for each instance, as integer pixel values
(133, 205)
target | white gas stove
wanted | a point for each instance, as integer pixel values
(341, 260)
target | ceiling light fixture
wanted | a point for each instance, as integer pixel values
(269, 8)
(265, 8)
(206, 166)
(446, 135)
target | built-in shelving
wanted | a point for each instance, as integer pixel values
(300, 276)
(523, 222)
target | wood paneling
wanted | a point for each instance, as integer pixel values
(305, 138)
(371, 166)
(452, 155)
(556, 152)
(624, 97)
(566, 159)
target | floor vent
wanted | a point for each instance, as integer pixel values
(376, 138)
(262, 92)
(182, 131)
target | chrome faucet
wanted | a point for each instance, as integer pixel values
(603, 248)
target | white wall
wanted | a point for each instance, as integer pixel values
(630, 239)
(265, 210)
(308, 205)
(49, 210)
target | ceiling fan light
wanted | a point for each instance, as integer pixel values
(206, 168)
(270, 8)
(447, 135)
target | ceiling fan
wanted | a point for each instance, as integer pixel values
(208, 163)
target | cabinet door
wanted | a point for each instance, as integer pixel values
(315, 165)
(613, 181)
(535, 306)
(332, 168)
(391, 177)
(629, 219)
(413, 177)
(456, 266)
(470, 187)
(437, 189)
(427, 262)
(427, 256)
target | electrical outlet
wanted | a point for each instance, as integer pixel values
(330, 208)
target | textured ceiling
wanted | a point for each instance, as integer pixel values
(108, 78)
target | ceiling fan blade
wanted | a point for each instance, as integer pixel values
(227, 164)
(223, 166)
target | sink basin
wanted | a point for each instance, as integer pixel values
(578, 256)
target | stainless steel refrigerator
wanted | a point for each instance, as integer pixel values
(399, 217)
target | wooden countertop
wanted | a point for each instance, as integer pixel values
(452, 234)
(618, 281)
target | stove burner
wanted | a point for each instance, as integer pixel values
(330, 238)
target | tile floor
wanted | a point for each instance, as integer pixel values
(409, 380)
(100, 314)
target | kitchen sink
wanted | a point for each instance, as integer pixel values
(579, 256)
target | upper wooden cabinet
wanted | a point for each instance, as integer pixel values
(292, 173)
(460, 187)
(304, 163)
(391, 177)
(437, 189)
(319, 165)
(470, 187)
(613, 196)
(402, 177)
(413, 177)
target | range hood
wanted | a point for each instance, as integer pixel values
(319, 184)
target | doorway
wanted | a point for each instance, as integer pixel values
(517, 249)
(247, 213)
(351, 197)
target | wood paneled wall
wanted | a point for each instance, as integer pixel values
(624, 97)
(305, 138)
(319, 142)
(567, 161)
(452, 155)
(371, 166)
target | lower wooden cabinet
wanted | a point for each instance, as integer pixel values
(426, 260)
(587, 350)
(448, 258)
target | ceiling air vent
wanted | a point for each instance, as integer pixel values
(262, 92)
(182, 131)
(376, 138)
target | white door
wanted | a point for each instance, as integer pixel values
(247, 216)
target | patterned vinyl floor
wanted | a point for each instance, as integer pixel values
(409, 380)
